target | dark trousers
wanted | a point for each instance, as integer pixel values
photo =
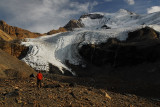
(39, 83)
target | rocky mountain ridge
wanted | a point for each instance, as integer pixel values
(17, 33)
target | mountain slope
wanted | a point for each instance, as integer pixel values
(17, 33)
(58, 48)
(4, 36)
(12, 67)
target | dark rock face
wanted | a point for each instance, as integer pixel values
(143, 35)
(92, 16)
(141, 46)
(73, 24)
(105, 27)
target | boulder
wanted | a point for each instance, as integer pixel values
(105, 27)
(72, 84)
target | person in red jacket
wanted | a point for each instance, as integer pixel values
(39, 79)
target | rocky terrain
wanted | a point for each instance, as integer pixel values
(23, 92)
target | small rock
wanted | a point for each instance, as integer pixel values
(72, 84)
(12, 94)
(32, 75)
(18, 100)
(73, 95)
(105, 27)
(105, 94)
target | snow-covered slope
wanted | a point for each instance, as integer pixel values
(58, 48)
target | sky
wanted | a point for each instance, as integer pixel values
(45, 15)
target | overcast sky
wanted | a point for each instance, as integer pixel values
(45, 15)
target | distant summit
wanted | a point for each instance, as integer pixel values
(125, 11)
(93, 16)
(73, 24)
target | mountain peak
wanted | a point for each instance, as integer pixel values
(125, 11)
(73, 24)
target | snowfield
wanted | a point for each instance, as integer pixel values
(58, 48)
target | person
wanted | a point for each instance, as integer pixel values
(39, 79)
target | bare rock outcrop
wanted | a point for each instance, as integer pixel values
(141, 46)
(61, 29)
(14, 48)
(4, 36)
(143, 34)
(73, 24)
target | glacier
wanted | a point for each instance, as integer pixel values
(58, 48)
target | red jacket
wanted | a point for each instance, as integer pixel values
(39, 76)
